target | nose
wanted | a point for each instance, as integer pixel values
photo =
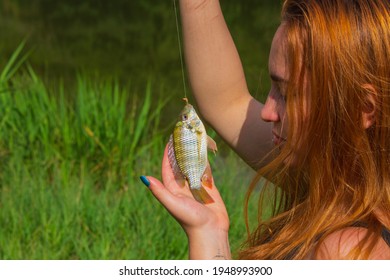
(269, 112)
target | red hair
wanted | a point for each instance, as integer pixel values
(338, 53)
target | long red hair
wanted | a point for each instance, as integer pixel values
(340, 50)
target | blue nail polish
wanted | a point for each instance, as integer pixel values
(145, 181)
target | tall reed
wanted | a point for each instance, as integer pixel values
(69, 167)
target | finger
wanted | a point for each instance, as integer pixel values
(174, 204)
(163, 195)
(188, 212)
(167, 171)
(170, 179)
(180, 186)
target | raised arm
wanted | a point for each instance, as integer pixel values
(218, 81)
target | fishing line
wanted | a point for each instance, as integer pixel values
(180, 51)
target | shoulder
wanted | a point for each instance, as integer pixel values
(340, 244)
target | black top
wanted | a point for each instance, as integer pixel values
(385, 232)
(386, 235)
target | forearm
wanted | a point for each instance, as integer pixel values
(218, 82)
(214, 67)
(209, 245)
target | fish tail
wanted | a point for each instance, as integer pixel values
(201, 195)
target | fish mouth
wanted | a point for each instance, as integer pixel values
(276, 139)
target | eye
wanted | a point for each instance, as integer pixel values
(280, 93)
(185, 117)
(283, 97)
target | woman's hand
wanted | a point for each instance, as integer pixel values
(206, 225)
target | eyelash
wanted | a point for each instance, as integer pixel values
(279, 93)
(284, 97)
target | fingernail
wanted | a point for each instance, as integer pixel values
(145, 181)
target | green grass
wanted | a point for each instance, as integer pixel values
(69, 168)
(128, 39)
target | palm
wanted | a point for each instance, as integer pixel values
(189, 212)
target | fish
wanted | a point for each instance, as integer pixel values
(187, 153)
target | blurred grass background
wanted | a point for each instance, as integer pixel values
(87, 102)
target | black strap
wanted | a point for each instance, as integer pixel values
(386, 235)
(385, 231)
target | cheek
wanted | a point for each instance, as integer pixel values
(297, 125)
(282, 110)
(299, 113)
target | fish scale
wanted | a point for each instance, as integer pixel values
(187, 153)
(191, 154)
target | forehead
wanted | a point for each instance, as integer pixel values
(277, 64)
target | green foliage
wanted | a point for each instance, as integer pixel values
(69, 168)
(128, 39)
(72, 146)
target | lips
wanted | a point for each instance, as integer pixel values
(277, 139)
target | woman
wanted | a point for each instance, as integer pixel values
(328, 113)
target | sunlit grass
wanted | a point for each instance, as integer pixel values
(69, 168)
(71, 152)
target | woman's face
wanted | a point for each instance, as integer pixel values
(274, 109)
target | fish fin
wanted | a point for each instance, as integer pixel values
(211, 144)
(207, 178)
(201, 195)
(179, 177)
